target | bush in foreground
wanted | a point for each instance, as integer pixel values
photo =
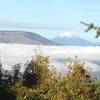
(41, 82)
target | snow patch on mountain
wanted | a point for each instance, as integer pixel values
(66, 34)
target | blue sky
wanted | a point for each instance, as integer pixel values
(50, 18)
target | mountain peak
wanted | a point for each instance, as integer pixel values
(66, 34)
(67, 38)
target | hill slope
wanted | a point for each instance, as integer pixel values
(23, 37)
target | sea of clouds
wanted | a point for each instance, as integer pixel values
(59, 56)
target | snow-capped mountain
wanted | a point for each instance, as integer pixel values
(68, 38)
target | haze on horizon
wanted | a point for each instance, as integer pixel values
(50, 18)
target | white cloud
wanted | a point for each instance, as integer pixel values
(11, 54)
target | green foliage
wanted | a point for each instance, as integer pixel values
(40, 82)
(92, 26)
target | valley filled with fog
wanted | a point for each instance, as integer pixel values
(59, 56)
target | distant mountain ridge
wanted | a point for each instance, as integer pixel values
(23, 37)
(69, 39)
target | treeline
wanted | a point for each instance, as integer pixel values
(40, 81)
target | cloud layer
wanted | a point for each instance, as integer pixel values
(11, 54)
